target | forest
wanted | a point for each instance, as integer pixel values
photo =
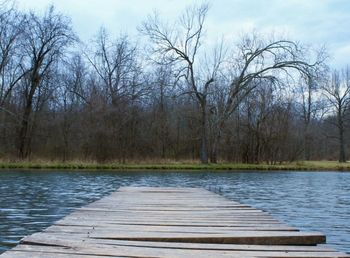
(170, 93)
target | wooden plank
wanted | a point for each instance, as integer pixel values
(197, 250)
(170, 222)
(188, 227)
(236, 237)
(68, 240)
(125, 251)
(100, 221)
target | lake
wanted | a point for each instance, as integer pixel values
(314, 201)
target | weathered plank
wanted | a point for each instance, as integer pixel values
(125, 251)
(170, 222)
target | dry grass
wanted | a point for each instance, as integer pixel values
(174, 165)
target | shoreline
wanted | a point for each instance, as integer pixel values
(295, 166)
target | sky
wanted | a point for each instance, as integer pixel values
(313, 22)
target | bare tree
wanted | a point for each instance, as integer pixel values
(117, 66)
(11, 32)
(307, 108)
(179, 44)
(312, 105)
(337, 92)
(11, 23)
(71, 98)
(231, 104)
(45, 40)
(256, 61)
(162, 91)
(115, 63)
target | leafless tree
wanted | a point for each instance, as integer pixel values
(45, 40)
(116, 65)
(11, 31)
(311, 105)
(71, 98)
(186, 100)
(337, 92)
(180, 44)
(255, 61)
(122, 84)
(307, 92)
(162, 92)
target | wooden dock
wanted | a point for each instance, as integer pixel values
(170, 222)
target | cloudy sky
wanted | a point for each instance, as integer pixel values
(317, 22)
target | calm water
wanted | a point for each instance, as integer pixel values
(31, 201)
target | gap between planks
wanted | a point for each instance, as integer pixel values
(170, 222)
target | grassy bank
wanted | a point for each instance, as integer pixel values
(301, 165)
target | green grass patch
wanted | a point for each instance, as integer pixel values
(300, 166)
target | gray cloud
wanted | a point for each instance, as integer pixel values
(312, 21)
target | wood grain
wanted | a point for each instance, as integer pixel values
(170, 222)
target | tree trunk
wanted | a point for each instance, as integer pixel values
(257, 150)
(342, 157)
(23, 133)
(204, 136)
(307, 145)
(214, 151)
(162, 123)
(215, 144)
(307, 134)
(24, 136)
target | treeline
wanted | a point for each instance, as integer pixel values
(174, 96)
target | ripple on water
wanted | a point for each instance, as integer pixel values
(30, 201)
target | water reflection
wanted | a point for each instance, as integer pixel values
(32, 200)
